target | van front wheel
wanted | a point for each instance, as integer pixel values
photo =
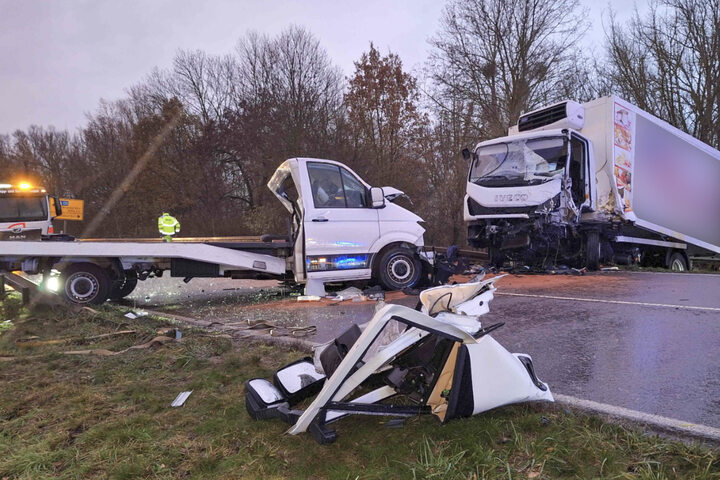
(399, 268)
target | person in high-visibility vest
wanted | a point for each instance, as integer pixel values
(168, 226)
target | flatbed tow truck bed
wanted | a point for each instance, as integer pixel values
(248, 243)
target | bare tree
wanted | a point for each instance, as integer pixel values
(668, 63)
(506, 57)
(384, 119)
(287, 99)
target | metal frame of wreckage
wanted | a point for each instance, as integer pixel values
(496, 377)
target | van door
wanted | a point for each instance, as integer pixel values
(340, 226)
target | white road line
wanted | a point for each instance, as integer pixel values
(684, 274)
(618, 302)
(664, 423)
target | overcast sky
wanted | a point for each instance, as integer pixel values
(59, 58)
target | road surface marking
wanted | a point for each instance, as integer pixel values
(658, 421)
(618, 302)
(686, 274)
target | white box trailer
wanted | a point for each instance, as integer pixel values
(342, 229)
(592, 182)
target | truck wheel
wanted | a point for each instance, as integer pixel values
(497, 258)
(592, 249)
(118, 292)
(399, 269)
(85, 283)
(677, 262)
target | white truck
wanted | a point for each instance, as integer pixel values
(26, 211)
(342, 229)
(596, 182)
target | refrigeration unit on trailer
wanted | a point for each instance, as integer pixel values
(342, 229)
(596, 182)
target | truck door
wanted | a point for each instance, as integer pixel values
(578, 172)
(340, 226)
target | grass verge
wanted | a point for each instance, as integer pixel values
(87, 416)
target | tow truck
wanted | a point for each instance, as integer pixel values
(26, 211)
(341, 229)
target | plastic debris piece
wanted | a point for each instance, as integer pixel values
(350, 293)
(308, 298)
(180, 399)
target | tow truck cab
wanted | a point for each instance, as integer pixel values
(26, 212)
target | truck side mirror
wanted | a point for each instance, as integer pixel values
(377, 197)
(58, 206)
(466, 154)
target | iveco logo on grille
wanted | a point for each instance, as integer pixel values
(511, 197)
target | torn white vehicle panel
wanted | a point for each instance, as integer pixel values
(442, 360)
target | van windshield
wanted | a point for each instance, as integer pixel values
(523, 162)
(22, 209)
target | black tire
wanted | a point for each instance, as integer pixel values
(398, 269)
(497, 258)
(678, 262)
(85, 284)
(118, 292)
(592, 249)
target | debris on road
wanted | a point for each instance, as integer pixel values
(373, 293)
(308, 298)
(349, 293)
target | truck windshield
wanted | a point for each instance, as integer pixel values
(523, 162)
(22, 209)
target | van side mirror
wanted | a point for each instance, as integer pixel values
(466, 154)
(58, 206)
(377, 197)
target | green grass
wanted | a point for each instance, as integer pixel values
(73, 417)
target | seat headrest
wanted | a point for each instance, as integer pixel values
(445, 297)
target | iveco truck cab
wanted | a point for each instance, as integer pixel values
(26, 212)
(601, 181)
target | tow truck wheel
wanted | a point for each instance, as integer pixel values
(677, 262)
(118, 292)
(399, 269)
(85, 284)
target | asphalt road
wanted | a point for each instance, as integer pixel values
(663, 360)
(644, 341)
